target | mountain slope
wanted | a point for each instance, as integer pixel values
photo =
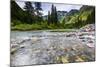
(18, 15)
(77, 19)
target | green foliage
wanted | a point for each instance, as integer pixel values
(24, 27)
(28, 7)
(15, 22)
(49, 17)
(38, 14)
(31, 18)
(38, 6)
(52, 26)
(53, 17)
(86, 15)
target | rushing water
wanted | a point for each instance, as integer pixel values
(41, 47)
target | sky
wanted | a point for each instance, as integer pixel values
(47, 6)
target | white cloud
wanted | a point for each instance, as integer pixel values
(47, 6)
(67, 7)
(21, 4)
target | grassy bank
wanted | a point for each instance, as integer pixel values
(42, 26)
(37, 27)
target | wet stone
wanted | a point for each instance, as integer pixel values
(46, 50)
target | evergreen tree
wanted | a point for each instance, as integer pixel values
(38, 10)
(38, 6)
(54, 18)
(28, 7)
(30, 17)
(17, 14)
(49, 18)
(52, 13)
(91, 17)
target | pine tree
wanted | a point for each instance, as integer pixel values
(49, 18)
(28, 7)
(56, 18)
(52, 13)
(38, 10)
(30, 17)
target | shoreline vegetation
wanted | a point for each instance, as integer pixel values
(27, 27)
(51, 30)
(31, 18)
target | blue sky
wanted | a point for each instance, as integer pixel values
(47, 6)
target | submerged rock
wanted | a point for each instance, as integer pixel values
(74, 47)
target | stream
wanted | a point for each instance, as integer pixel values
(45, 47)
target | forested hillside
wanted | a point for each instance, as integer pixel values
(77, 19)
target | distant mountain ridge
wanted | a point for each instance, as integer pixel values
(72, 12)
(62, 14)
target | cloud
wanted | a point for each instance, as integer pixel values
(67, 7)
(47, 6)
(21, 3)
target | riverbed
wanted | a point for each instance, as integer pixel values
(45, 47)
